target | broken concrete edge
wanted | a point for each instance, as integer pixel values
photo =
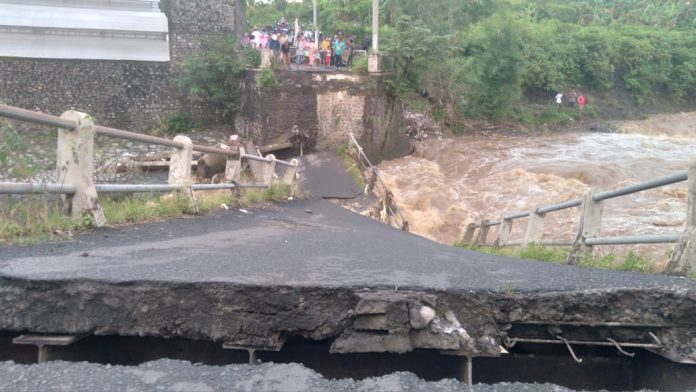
(469, 323)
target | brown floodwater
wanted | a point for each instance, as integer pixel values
(447, 184)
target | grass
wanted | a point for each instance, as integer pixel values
(351, 167)
(267, 78)
(629, 262)
(359, 65)
(34, 219)
(172, 125)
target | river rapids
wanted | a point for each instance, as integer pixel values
(447, 184)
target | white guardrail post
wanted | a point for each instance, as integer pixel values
(683, 259)
(469, 234)
(233, 168)
(503, 232)
(269, 170)
(291, 172)
(75, 164)
(535, 228)
(180, 162)
(590, 224)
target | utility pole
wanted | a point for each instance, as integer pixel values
(373, 59)
(316, 28)
(375, 26)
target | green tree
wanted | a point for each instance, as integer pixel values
(214, 75)
(494, 71)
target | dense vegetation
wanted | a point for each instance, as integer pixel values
(215, 73)
(493, 58)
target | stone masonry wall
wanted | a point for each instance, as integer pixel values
(131, 95)
(122, 94)
(327, 106)
(190, 21)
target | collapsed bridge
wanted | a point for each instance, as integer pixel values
(310, 282)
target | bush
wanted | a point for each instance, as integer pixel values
(253, 56)
(13, 149)
(216, 73)
(267, 78)
(633, 262)
(604, 262)
(173, 124)
(541, 253)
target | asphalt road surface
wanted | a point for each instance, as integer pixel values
(301, 243)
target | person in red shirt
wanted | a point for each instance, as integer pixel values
(581, 102)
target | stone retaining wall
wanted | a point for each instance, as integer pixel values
(328, 106)
(125, 94)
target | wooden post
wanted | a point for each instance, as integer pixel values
(469, 234)
(535, 229)
(180, 162)
(75, 165)
(590, 224)
(503, 233)
(683, 259)
(483, 233)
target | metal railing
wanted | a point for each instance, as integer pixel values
(590, 222)
(15, 113)
(76, 141)
(391, 213)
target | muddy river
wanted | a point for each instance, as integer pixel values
(447, 184)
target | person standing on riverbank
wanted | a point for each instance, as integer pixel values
(559, 100)
(581, 102)
(572, 99)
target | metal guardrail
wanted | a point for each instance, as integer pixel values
(77, 172)
(643, 186)
(365, 165)
(590, 220)
(256, 158)
(12, 188)
(53, 121)
(634, 240)
(559, 207)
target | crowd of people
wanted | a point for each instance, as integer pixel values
(571, 99)
(312, 48)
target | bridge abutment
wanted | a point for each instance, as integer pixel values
(326, 106)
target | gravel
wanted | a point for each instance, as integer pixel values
(181, 376)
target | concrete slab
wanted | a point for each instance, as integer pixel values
(323, 175)
(85, 47)
(47, 17)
